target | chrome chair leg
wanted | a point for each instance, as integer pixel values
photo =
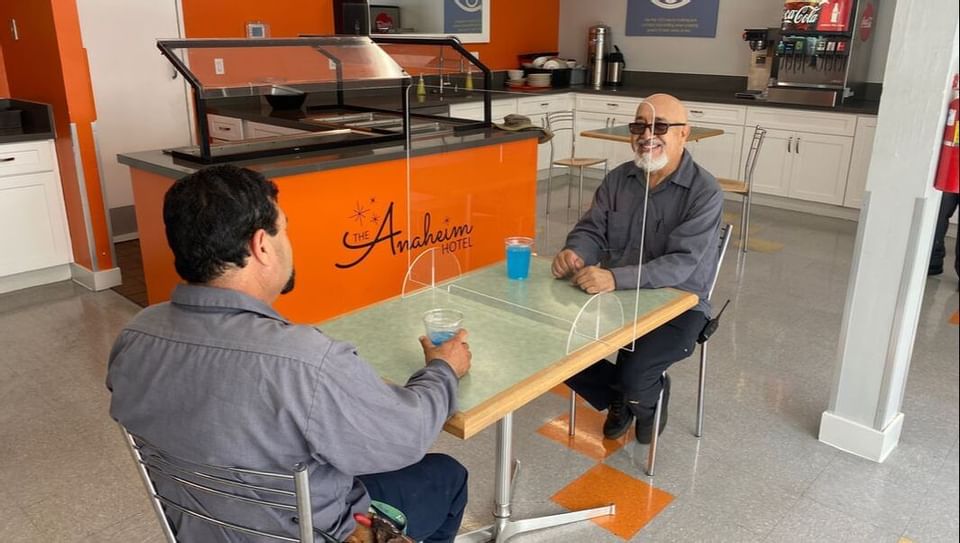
(580, 196)
(703, 375)
(549, 182)
(746, 221)
(573, 414)
(654, 437)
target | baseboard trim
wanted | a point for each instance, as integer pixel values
(855, 438)
(95, 281)
(34, 278)
(803, 206)
(126, 237)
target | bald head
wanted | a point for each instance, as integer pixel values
(659, 148)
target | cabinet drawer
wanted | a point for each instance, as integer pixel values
(603, 104)
(837, 124)
(26, 157)
(253, 130)
(225, 128)
(715, 113)
(543, 104)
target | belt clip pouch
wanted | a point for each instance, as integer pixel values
(389, 524)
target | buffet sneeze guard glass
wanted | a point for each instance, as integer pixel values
(334, 91)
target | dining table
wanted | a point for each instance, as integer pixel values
(526, 336)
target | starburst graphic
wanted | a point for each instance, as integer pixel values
(446, 220)
(375, 219)
(373, 200)
(359, 213)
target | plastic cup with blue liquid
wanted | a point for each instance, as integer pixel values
(519, 250)
(442, 324)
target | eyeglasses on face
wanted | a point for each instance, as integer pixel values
(659, 127)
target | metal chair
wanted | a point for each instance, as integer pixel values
(222, 484)
(558, 122)
(652, 452)
(745, 188)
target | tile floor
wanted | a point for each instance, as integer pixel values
(758, 473)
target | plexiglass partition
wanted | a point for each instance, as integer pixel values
(466, 203)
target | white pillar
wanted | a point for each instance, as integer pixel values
(895, 233)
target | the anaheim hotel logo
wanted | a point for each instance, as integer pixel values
(372, 228)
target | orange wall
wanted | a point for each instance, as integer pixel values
(517, 26)
(228, 18)
(4, 89)
(48, 64)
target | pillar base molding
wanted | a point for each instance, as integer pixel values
(855, 438)
(95, 280)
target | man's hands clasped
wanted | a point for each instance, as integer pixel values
(591, 279)
(455, 352)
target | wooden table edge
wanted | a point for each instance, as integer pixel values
(467, 424)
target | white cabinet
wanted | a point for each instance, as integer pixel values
(33, 222)
(253, 130)
(537, 108)
(806, 155)
(225, 128)
(860, 161)
(803, 165)
(615, 152)
(719, 155)
(474, 110)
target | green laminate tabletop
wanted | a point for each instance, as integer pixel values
(621, 133)
(518, 335)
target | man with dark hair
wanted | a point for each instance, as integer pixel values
(680, 249)
(216, 376)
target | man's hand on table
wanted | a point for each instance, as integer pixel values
(594, 279)
(455, 352)
(566, 263)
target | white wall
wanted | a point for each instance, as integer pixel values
(726, 54)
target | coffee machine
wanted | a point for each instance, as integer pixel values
(763, 68)
(598, 47)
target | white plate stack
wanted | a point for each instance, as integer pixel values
(538, 80)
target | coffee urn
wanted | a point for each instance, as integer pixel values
(598, 46)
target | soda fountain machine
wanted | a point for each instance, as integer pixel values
(823, 52)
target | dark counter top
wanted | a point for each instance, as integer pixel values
(21, 120)
(165, 165)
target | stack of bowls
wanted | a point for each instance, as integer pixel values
(539, 80)
(515, 78)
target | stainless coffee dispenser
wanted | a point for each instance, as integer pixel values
(598, 47)
(615, 65)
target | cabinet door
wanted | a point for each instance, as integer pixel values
(772, 174)
(819, 169)
(498, 110)
(253, 130)
(594, 147)
(859, 162)
(33, 224)
(719, 155)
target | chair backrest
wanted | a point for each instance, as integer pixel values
(725, 233)
(222, 484)
(751, 164)
(560, 121)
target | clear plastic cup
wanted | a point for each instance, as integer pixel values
(442, 324)
(519, 250)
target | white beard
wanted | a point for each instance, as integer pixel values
(649, 164)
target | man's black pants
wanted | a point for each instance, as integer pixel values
(636, 374)
(432, 494)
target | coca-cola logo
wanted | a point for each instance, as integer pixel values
(804, 15)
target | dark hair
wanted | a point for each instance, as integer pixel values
(210, 216)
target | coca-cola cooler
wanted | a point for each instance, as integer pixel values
(823, 53)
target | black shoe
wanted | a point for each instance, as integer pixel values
(934, 270)
(618, 420)
(644, 427)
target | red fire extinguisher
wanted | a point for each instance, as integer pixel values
(948, 172)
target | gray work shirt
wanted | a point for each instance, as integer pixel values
(217, 377)
(681, 246)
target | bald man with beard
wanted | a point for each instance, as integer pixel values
(680, 250)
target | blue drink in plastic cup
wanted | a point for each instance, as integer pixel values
(519, 250)
(442, 324)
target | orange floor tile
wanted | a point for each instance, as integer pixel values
(637, 502)
(589, 438)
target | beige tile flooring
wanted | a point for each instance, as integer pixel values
(758, 474)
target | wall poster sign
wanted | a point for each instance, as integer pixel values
(462, 16)
(676, 18)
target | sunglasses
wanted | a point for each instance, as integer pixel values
(659, 128)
